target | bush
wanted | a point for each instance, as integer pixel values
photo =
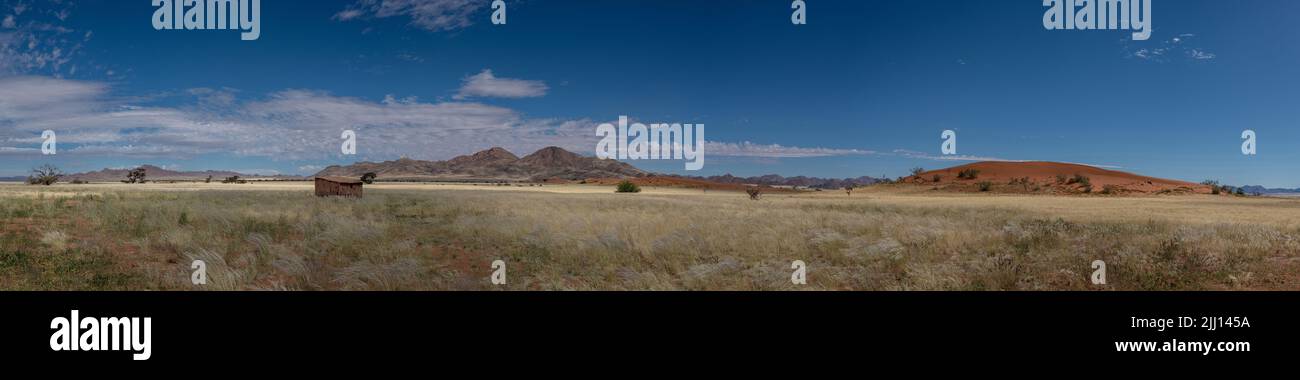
(985, 186)
(1080, 179)
(968, 174)
(917, 171)
(848, 190)
(1110, 189)
(1061, 179)
(754, 192)
(937, 177)
(368, 178)
(1022, 181)
(627, 187)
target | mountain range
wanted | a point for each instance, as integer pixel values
(493, 164)
(152, 173)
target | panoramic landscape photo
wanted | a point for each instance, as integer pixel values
(375, 145)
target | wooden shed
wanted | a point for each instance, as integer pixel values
(338, 187)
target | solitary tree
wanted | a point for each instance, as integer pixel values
(368, 178)
(135, 175)
(45, 175)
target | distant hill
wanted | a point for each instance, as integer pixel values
(493, 164)
(1256, 189)
(152, 173)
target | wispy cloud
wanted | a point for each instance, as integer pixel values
(956, 157)
(432, 15)
(748, 149)
(36, 43)
(485, 84)
(290, 124)
(307, 125)
(1178, 47)
(947, 157)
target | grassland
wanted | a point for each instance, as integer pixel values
(276, 236)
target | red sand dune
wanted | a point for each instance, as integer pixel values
(1044, 175)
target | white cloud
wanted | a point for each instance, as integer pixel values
(292, 124)
(433, 15)
(748, 149)
(956, 157)
(37, 43)
(1200, 54)
(305, 125)
(1164, 51)
(485, 84)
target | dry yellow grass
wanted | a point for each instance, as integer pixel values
(556, 237)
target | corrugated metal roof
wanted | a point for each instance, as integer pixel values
(344, 180)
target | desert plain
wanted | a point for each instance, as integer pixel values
(435, 236)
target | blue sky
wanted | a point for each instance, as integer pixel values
(865, 88)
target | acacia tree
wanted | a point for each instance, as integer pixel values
(135, 176)
(45, 175)
(368, 178)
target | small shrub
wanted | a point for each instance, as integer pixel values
(1022, 181)
(1081, 180)
(1060, 179)
(627, 187)
(985, 186)
(754, 192)
(916, 172)
(968, 174)
(1110, 189)
(937, 178)
(848, 190)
